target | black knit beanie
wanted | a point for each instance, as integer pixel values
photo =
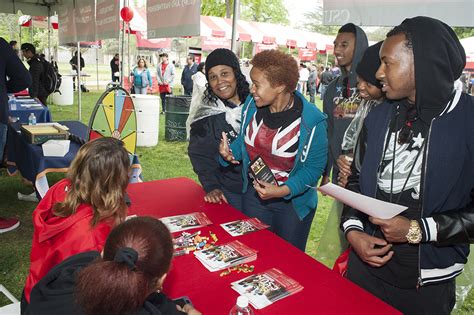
(221, 56)
(369, 64)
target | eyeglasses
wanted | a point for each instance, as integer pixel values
(406, 133)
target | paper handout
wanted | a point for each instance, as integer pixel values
(371, 206)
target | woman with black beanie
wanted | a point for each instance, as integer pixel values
(219, 111)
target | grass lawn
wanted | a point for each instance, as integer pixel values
(167, 159)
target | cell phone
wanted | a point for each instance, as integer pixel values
(182, 301)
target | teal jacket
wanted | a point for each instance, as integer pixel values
(310, 159)
(138, 78)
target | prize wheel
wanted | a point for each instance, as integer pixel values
(114, 116)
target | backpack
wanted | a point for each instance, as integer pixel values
(51, 77)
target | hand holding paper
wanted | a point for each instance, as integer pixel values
(371, 206)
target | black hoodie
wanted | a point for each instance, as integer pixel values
(340, 109)
(54, 294)
(436, 66)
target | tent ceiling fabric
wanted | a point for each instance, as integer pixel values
(393, 12)
(32, 7)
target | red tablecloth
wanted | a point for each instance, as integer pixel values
(325, 292)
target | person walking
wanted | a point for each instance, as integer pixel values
(142, 81)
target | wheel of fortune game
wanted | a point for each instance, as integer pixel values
(114, 116)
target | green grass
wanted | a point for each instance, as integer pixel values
(167, 159)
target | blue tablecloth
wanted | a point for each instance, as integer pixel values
(34, 166)
(21, 108)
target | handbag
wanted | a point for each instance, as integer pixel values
(340, 265)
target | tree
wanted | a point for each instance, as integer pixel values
(214, 7)
(315, 22)
(464, 32)
(272, 11)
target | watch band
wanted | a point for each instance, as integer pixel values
(414, 235)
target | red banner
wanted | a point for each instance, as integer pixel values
(172, 18)
(306, 54)
(258, 47)
(211, 43)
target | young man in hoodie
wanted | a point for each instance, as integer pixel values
(341, 99)
(419, 152)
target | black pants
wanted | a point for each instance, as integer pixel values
(163, 98)
(428, 299)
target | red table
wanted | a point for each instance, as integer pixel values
(325, 292)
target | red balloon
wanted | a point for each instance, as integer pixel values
(127, 14)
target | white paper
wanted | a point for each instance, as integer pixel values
(371, 206)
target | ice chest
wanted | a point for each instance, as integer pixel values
(58, 148)
(40, 133)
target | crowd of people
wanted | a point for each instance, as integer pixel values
(394, 127)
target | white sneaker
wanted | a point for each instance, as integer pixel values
(31, 197)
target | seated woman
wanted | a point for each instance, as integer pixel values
(289, 134)
(77, 213)
(219, 111)
(125, 279)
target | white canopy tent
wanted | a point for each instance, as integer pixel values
(78, 21)
(393, 12)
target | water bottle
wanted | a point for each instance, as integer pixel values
(32, 119)
(242, 307)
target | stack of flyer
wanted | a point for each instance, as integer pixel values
(265, 288)
(241, 227)
(226, 255)
(186, 221)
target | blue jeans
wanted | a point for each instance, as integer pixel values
(312, 93)
(234, 199)
(140, 90)
(322, 90)
(280, 215)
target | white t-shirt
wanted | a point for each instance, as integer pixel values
(304, 74)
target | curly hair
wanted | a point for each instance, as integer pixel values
(243, 88)
(279, 68)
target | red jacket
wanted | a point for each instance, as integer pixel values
(56, 238)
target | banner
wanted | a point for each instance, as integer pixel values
(85, 20)
(307, 54)
(107, 19)
(393, 12)
(258, 47)
(210, 43)
(173, 18)
(67, 34)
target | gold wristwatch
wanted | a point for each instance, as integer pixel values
(414, 233)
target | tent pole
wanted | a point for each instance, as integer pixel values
(97, 65)
(49, 33)
(128, 49)
(78, 70)
(235, 17)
